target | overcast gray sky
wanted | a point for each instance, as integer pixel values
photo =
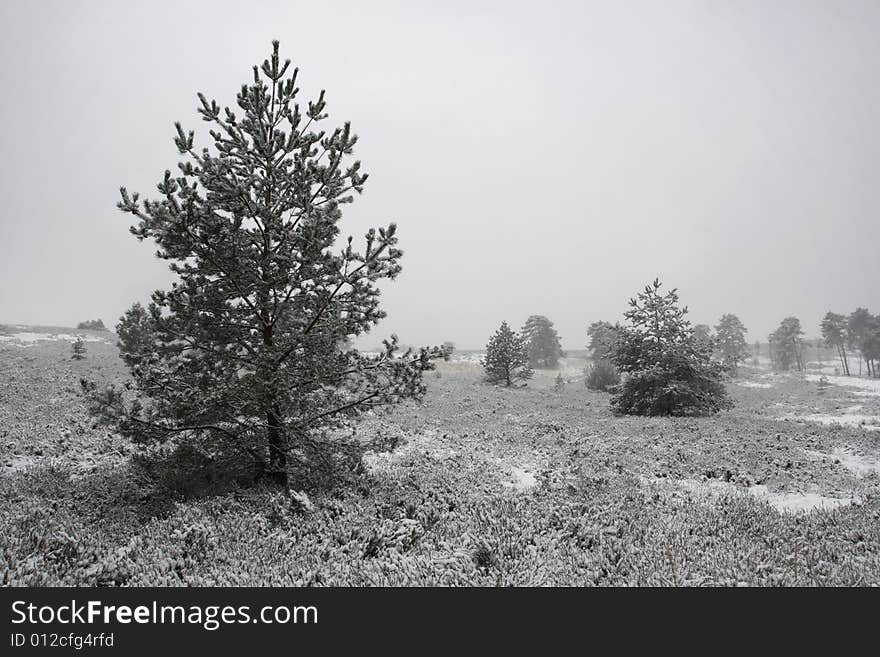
(540, 158)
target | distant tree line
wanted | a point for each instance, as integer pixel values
(859, 333)
(657, 364)
(91, 325)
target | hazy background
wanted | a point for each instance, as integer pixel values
(546, 158)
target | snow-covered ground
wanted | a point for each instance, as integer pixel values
(753, 384)
(783, 502)
(797, 502)
(858, 464)
(523, 479)
(858, 420)
(868, 387)
(29, 338)
(474, 358)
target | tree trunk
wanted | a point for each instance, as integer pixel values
(277, 448)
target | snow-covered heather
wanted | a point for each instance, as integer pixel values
(31, 338)
(423, 443)
(871, 386)
(858, 464)
(781, 501)
(753, 384)
(797, 502)
(474, 358)
(858, 420)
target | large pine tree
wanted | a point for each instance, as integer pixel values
(542, 342)
(669, 370)
(507, 357)
(246, 351)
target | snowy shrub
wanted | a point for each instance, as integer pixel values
(602, 376)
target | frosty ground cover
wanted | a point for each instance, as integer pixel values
(483, 486)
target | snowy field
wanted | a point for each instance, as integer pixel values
(478, 485)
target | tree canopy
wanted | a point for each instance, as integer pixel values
(542, 342)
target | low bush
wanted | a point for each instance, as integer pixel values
(602, 376)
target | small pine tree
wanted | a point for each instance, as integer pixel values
(79, 349)
(507, 358)
(559, 383)
(669, 371)
(542, 341)
(730, 339)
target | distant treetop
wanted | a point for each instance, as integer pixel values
(92, 325)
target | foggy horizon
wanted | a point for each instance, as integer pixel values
(552, 163)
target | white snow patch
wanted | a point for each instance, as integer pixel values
(858, 464)
(523, 479)
(797, 502)
(848, 419)
(870, 385)
(29, 338)
(472, 358)
(753, 384)
(17, 463)
(781, 501)
(425, 442)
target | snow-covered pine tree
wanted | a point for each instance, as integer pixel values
(602, 337)
(730, 340)
(507, 358)
(542, 342)
(669, 371)
(246, 351)
(786, 345)
(78, 348)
